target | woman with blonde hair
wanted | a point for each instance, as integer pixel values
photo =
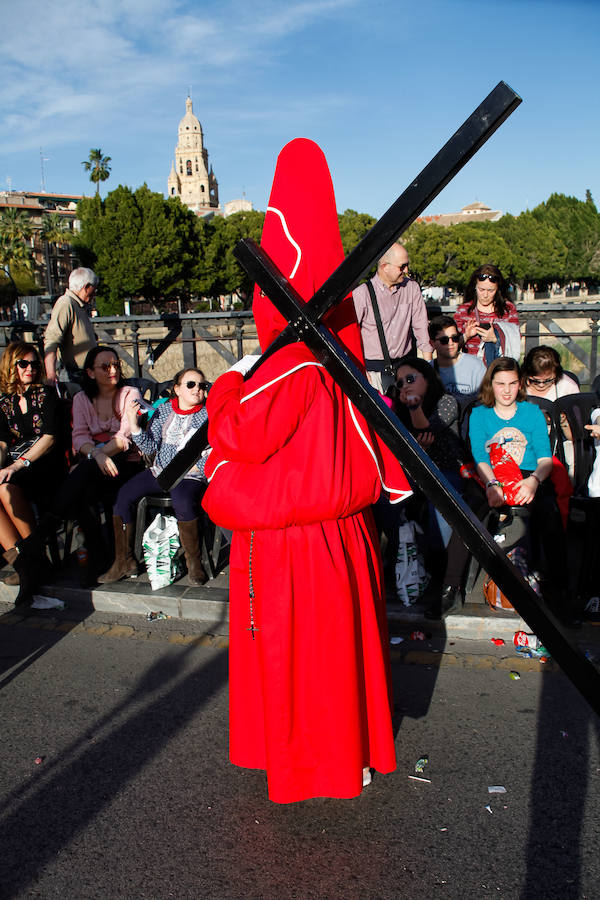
(31, 461)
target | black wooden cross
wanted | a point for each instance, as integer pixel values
(305, 325)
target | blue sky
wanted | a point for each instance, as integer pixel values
(379, 85)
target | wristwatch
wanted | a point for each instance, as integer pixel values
(89, 456)
(493, 483)
(26, 462)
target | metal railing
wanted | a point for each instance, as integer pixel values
(215, 340)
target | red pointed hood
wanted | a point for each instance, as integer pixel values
(301, 235)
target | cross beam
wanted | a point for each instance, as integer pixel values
(305, 326)
(420, 468)
(455, 153)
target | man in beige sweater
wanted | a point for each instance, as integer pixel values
(70, 328)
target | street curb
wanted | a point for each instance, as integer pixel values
(424, 657)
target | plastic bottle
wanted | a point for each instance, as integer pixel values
(82, 556)
(523, 639)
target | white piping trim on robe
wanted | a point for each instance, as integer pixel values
(279, 377)
(296, 246)
(399, 495)
(217, 467)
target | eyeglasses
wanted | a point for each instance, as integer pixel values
(402, 266)
(485, 277)
(541, 382)
(446, 338)
(203, 385)
(410, 379)
(28, 363)
(106, 367)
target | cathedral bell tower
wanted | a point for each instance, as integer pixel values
(191, 179)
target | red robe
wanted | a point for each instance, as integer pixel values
(293, 472)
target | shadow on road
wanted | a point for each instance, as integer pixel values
(41, 640)
(90, 775)
(560, 785)
(415, 704)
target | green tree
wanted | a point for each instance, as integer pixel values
(353, 227)
(54, 230)
(577, 224)
(98, 166)
(537, 252)
(448, 256)
(16, 260)
(217, 271)
(139, 244)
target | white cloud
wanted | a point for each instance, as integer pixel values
(78, 67)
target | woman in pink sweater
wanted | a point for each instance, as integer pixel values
(106, 455)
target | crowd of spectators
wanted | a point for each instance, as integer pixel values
(73, 460)
(472, 397)
(467, 395)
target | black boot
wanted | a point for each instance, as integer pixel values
(450, 598)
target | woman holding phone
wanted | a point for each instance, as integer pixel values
(483, 317)
(170, 428)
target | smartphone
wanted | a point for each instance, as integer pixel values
(485, 325)
(144, 406)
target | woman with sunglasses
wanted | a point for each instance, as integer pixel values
(431, 415)
(170, 428)
(103, 445)
(484, 317)
(543, 375)
(30, 455)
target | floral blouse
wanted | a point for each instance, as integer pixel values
(41, 416)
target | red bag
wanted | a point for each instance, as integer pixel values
(506, 471)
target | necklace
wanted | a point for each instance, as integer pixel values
(503, 412)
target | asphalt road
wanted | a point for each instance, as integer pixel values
(135, 797)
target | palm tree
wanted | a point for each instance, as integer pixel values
(16, 224)
(54, 230)
(99, 166)
(15, 234)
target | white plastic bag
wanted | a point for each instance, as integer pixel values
(161, 546)
(594, 479)
(411, 577)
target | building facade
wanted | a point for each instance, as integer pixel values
(191, 179)
(53, 261)
(474, 212)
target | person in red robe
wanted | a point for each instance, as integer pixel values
(293, 473)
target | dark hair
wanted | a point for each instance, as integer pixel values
(10, 383)
(502, 364)
(90, 385)
(440, 323)
(539, 359)
(435, 388)
(501, 296)
(179, 375)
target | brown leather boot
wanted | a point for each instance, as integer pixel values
(124, 565)
(10, 557)
(188, 535)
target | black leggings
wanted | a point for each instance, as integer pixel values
(544, 521)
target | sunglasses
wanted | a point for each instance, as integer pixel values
(203, 385)
(485, 277)
(446, 338)
(28, 363)
(539, 382)
(410, 379)
(107, 367)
